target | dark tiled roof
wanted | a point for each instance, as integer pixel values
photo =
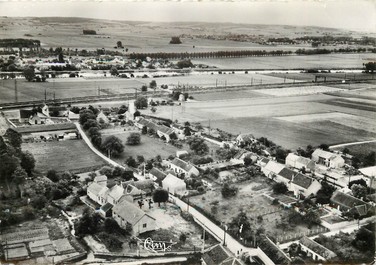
(302, 181)
(25, 114)
(182, 164)
(108, 206)
(157, 173)
(287, 173)
(165, 129)
(215, 256)
(346, 200)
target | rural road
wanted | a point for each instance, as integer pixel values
(234, 246)
(353, 143)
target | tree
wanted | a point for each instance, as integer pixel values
(94, 131)
(184, 64)
(325, 193)
(153, 84)
(187, 131)
(359, 191)
(175, 40)
(131, 162)
(141, 103)
(324, 147)
(248, 161)
(119, 44)
(52, 175)
(229, 190)
(364, 240)
(198, 146)
(370, 159)
(311, 218)
(61, 57)
(160, 195)
(111, 226)
(140, 159)
(144, 130)
(88, 224)
(370, 67)
(27, 162)
(144, 88)
(280, 188)
(182, 238)
(114, 71)
(90, 123)
(14, 138)
(29, 73)
(134, 139)
(113, 145)
(86, 114)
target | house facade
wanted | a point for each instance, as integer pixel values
(183, 168)
(174, 185)
(300, 162)
(271, 169)
(328, 159)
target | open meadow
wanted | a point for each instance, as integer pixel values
(69, 155)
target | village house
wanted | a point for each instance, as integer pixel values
(102, 118)
(304, 186)
(183, 168)
(157, 175)
(262, 162)
(126, 212)
(245, 139)
(93, 191)
(328, 159)
(106, 210)
(114, 194)
(166, 132)
(25, 115)
(347, 203)
(285, 176)
(174, 185)
(179, 131)
(271, 169)
(300, 162)
(239, 157)
(315, 251)
(101, 180)
(369, 174)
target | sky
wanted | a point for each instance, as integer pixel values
(348, 14)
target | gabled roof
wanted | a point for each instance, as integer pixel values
(302, 180)
(116, 192)
(274, 167)
(368, 171)
(165, 129)
(175, 181)
(104, 191)
(265, 160)
(215, 256)
(181, 164)
(94, 188)
(145, 185)
(157, 173)
(132, 190)
(317, 248)
(100, 178)
(346, 200)
(43, 128)
(246, 137)
(324, 154)
(129, 212)
(300, 159)
(287, 173)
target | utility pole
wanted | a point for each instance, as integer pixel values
(15, 90)
(209, 127)
(45, 94)
(203, 241)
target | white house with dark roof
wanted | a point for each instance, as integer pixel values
(174, 185)
(93, 191)
(348, 203)
(125, 212)
(286, 175)
(300, 162)
(157, 175)
(245, 139)
(183, 168)
(304, 185)
(328, 159)
(166, 132)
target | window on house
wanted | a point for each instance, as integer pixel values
(144, 226)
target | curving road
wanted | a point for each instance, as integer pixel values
(353, 143)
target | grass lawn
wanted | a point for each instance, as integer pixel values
(70, 155)
(149, 147)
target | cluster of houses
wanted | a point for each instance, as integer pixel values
(162, 131)
(118, 201)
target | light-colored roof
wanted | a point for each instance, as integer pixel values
(181, 164)
(324, 154)
(174, 181)
(274, 167)
(300, 159)
(94, 188)
(368, 171)
(317, 248)
(104, 191)
(116, 192)
(129, 212)
(101, 178)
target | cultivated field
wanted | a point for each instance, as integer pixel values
(327, 61)
(208, 96)
(70, 155)
(290, 121)
(359, 148)
(298, 91)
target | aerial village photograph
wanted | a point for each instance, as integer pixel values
(187, 132)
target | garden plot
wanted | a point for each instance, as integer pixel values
(298, 91)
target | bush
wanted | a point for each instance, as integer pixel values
(53, 176)
(112, 243)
